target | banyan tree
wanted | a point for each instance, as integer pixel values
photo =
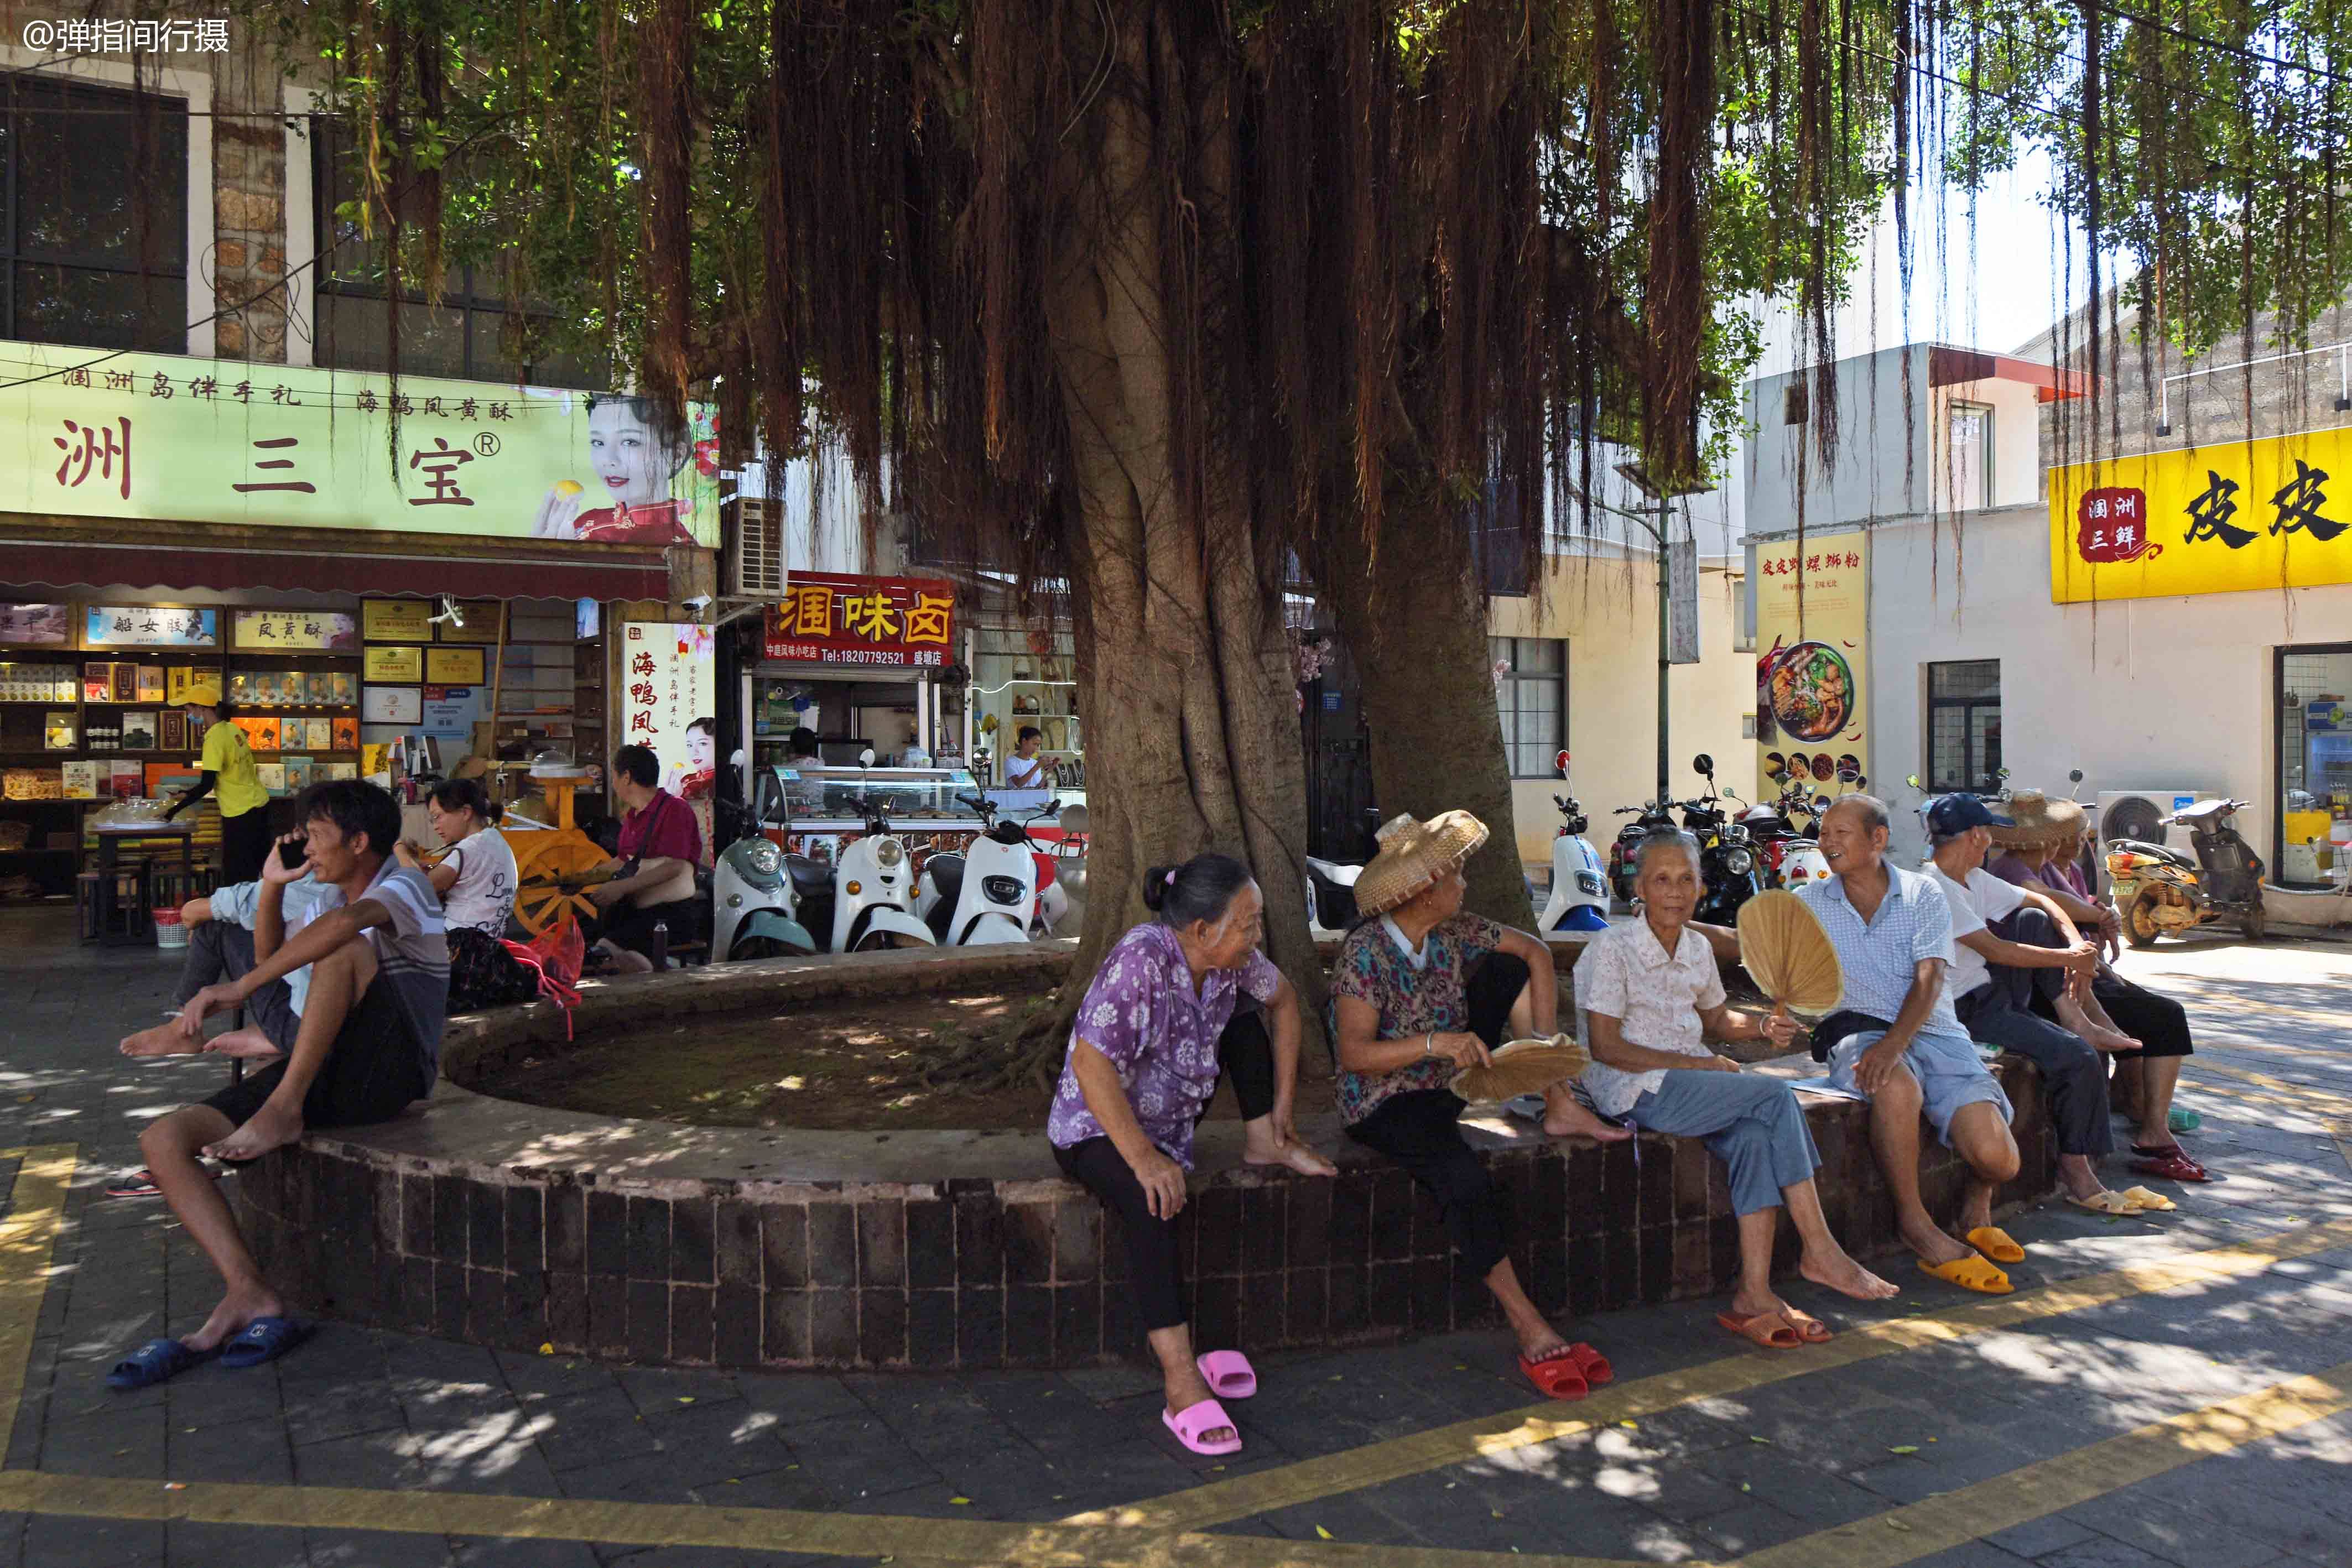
(1182, 303)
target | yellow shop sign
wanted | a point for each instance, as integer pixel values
(156, 437)
(2235, 517)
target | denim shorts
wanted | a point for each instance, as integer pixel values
(1951, 1073)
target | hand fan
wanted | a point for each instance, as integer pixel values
(1789, 955)
(1521, 1067)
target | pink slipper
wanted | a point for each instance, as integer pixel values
(1205, 1417)
(1229, 1374)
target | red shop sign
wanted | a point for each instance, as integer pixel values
(898, 621)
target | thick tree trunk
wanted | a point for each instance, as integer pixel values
(1193, 739)
(1413, 611)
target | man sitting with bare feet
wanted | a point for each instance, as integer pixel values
(368, 1043)
(220, 947)
(1895, 1042)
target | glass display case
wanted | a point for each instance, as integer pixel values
(815, 811)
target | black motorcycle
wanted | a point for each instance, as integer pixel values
(1727, 861)
(1625, 851)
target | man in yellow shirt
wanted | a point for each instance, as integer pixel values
(230, 775)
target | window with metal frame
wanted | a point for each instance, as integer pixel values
(469, 334)
(93, 215)
(1964, 725)
(1531, 702)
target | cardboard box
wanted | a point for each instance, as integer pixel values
(151, 683)
(321, 687)
(80, 779)
(345, 733)
(273, 776)
(59, 732)
(126, 683)
(127, 778)
(139, 731)
(98, 682)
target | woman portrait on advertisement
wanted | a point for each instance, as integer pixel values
(635, 467)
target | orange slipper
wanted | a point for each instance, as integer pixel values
(1770, 1329)
(1809, 1329)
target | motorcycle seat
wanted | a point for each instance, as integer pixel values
(946, 871)
(810, 878)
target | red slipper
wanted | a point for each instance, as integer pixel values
(1592, 1364)
(2171, 1162)
(1557, 1376)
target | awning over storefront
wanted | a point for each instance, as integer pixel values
(163, 557)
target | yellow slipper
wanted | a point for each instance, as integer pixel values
(2109, 1202)
(1969, 1274)
(2147, 1198)
(1996, 1244)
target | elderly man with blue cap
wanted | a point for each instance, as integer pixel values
(1994, 982)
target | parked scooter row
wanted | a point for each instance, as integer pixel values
(767, 903)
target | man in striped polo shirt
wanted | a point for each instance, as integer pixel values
(369, 1043)
(1895, 1040)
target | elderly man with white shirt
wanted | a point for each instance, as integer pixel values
(1896, 1042)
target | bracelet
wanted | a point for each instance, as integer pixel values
(1429, 1045)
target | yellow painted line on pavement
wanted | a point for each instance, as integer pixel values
(1956, 1518)
(2280, 1085)
(1222, 1502)
(1891, 1540)
(36, 1205)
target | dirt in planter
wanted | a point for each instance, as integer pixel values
(853, 1067)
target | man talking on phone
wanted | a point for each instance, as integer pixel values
(368, 1043)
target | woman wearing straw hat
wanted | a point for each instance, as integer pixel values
(1179, 1002)
(2040, 851)
(1420, 991)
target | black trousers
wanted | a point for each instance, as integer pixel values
(244, 845)
(2004, 1012)
(221, 950)
(1420, 1129)
(2158, 1023)
(1155, 1270)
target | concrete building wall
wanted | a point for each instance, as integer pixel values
(2151, 693)
(1606, 607)
(1885, 460)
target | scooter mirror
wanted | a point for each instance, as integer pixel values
(866, 757)
(1702, 765)
(2075, 776)
(736, 759)
(1912, 779)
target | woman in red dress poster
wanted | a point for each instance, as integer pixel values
(637, 466)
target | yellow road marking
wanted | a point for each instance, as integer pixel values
(1956, 1518)
(37, 1203)
(2279, 1084)
(2265, 1098)
(1890, 1540)
(1221, 1502)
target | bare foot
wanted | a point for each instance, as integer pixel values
(237, 1309)
(1935, 1246)
(269, 1128)
(1565, 1114)
(2108, 1040)
(163, 1040)
(1842, 1274)
(2079, 1177)
(1540, 1341)
(1297, 1157)
(248, 1043)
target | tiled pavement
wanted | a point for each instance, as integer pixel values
(1714, 1477)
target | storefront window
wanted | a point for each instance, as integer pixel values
(1964, 725)
(2315, 716)
(94, 248)
(1023, 677)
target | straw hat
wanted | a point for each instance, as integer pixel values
(1415, 854)
(2041, 821)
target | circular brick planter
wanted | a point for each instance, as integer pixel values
(521, 1226)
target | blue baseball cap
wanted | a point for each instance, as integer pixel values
(1952, 815)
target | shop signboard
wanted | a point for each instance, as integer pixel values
(164, 437)
(671, 677)
(2235, 517)
(36, 626)
(148, 626)
(395, 664)
(449, 712)
(296, 631)
(895, 621)
(1813, 699)
(397, 620)
(454, 666)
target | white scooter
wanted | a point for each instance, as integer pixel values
(874, 886)
(1580, 882)
(990, 894)
(757, 890)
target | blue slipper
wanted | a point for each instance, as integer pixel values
(155, 1362)
(263, 1339)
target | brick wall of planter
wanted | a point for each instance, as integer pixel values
(998, 1262)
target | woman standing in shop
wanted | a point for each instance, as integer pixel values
(230, 777)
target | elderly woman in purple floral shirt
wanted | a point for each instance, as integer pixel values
(1159, 1026)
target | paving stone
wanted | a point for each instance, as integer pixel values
(128, 1442)
(380, 1460)
(375, 1549)
(1975, 1554)
(589, 1428)
(523, 1553)
(2138, 1517)
(856, 1458)
(254, 1452)
(2105, 1552)
(636, 1478)
(797, 1398)
(187, 1544)
(717, 1442)
(787, 1487)
(60, 1539)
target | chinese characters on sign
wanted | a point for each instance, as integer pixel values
(907, 623)
(1812, 712)
(296, 631)
(2239, 517)
(669, 677)
(138, 626)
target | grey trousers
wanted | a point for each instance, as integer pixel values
(1753, 1123)
(2000, 1012)
(222, 950)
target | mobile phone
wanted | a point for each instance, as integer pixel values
(291, 856)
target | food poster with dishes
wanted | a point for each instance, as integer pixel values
(164, 437)
(1812, 631)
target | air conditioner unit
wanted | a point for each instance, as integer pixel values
(2139, 814)
(755, 550)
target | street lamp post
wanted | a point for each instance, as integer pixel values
(1661, 533)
